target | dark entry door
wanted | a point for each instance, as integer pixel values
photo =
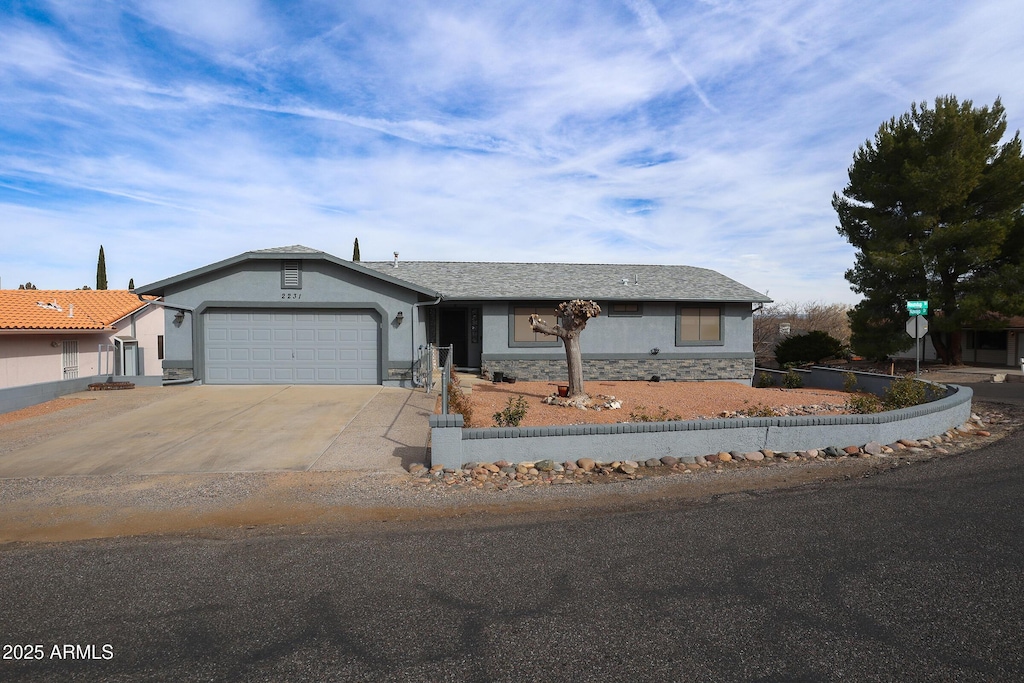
(452, 331)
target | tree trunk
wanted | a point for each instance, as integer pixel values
(574, 359)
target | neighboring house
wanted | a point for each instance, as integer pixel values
(51, 335)
(296, 315)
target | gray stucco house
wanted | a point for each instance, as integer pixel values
(294, 315)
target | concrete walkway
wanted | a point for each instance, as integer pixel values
(240, 429)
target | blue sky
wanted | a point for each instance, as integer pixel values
(707, 133)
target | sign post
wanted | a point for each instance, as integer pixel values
(917, 327)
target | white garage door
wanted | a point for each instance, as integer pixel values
(256, 346)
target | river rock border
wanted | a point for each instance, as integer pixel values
(503, 475)
(452, 446)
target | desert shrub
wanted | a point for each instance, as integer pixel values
(812, 347)
(849, 382)
(765, 380)
(908, 391)
(458, 402)
(863, 404)
(640, 414)
(792, 380)
(512, 414)
(760, 410)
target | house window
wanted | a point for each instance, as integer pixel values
(521, 334)
(698, 325)
(626, 308)
(291, 275)
(990, 340)
(159, 347)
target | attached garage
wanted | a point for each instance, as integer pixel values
(280, 346)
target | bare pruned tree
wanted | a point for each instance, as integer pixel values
(573, 316)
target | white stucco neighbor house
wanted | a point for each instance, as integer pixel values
(53, 335)
(295, 315)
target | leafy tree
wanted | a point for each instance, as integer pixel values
(573, 316)
(131, 283)
(355, 250)
(101, 270)
(27, 285)
(812, 347)
(934, 208)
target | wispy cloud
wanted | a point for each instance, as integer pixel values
(706, 133)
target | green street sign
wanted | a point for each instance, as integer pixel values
(917, 307)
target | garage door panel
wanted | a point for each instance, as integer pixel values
(289, 347)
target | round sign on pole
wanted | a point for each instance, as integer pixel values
(917, 326)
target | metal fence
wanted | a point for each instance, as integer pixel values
(432, 370)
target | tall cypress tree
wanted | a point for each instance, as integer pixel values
(131, 283)
(355, 250)
(101, 270)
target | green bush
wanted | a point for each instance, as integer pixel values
(765, 380)
(812, 347)
(792, 380)
(908, 391)
(863, 404)
(849, 382)
(512, 414)
(760, 410)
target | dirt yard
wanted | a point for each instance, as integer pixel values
(680, 400)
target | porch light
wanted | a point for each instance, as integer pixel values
(179, 317)
(400, 317)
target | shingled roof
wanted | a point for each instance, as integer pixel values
(476, 280)
(62, 309)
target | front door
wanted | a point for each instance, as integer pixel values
(452, 331)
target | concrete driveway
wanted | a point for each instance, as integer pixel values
(238, 429)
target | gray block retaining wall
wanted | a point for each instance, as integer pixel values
(16, 398)
(453, 446)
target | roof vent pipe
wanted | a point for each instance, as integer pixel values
(71, 311)
(636, 279)
(395, 265)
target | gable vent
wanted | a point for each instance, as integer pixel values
(291, 275)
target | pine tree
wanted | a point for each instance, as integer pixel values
(934, 208)
(101, 270)
(355, 250)
(131, 283)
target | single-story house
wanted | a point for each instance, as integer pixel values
(297, 315)
(53, 335)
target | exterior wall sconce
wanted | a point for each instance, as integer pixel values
(179, 318)
(400, 317)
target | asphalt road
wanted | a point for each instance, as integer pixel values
(911, 575)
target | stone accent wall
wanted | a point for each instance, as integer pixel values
(669, 370)
(177, 373)
(399, 375)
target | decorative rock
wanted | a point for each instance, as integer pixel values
(700, 460)
(714, 457)
(627, 468)
(436, 468)
(416, 468)
(652, 462)
(492, 467)
(724, 457)
(851, 450)
(873, 448)
(767, 453)
(533, 470)
(813, 453)
(545, 465)
(669, 461)
(502, 463)
(982, 432)
(909, 443)
(586, 464)
(925, 443)
(755, 456)
(631, 463)
(832, 452)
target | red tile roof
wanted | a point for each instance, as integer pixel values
(61, 309)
